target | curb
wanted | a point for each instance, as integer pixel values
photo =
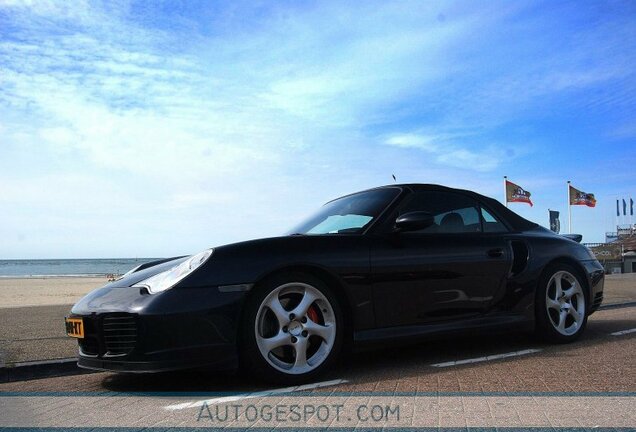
(617, 305)
(40, 369)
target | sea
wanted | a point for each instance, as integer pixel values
(68, 267)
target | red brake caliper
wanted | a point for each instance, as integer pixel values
(312, 313)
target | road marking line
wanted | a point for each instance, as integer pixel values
(263, 393)
(623, 332)
(486, 358)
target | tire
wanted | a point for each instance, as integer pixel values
(561, 304)
(285, 316)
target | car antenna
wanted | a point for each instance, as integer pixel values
(394, 179)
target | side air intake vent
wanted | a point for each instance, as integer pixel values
(519, 257)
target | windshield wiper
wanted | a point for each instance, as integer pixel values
(348, 230)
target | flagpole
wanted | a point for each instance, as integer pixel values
(569, 211)
(505, 191)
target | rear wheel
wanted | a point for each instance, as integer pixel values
(561, 304)
(292, 330)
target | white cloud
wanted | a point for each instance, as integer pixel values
(410, 140)
(445, 150)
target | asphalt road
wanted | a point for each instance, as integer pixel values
(509, 375)
(34, 333)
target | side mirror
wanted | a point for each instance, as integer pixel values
(414, 221)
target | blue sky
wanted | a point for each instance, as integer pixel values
(162, 128)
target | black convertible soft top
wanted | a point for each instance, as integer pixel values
(516, 222)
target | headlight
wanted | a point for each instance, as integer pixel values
(166, 280)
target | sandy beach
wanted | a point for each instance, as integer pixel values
(20, 292)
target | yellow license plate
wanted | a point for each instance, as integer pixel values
(75, 327)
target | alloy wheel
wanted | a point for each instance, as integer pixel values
(565, 303)
(295, 328)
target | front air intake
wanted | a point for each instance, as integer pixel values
(120, 334)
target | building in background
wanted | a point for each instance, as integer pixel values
(618, 253)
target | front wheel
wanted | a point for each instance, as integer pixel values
(293, 329)
(561, 305)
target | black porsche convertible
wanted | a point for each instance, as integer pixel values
(395, 263)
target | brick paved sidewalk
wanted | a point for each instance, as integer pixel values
(329, 411)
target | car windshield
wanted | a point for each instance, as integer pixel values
(350, 214)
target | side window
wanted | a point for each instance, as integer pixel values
(452, 213)
(491, 223)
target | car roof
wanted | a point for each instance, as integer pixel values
(424, 186)
(517, 222)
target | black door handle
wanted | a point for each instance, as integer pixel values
(495, 253)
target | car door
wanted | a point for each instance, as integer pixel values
(450, 270)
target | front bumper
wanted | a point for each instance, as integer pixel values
(128, 330)
(223, 359)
